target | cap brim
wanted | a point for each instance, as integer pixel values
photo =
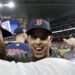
(29, 31)
(5, 33)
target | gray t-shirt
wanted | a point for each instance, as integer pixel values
(47, 66)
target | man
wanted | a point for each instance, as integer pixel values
(39, 39)
(51, 66)
(70, 55)
(18, 50)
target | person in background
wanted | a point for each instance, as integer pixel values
(3, 33)
(18, 50)
(20, 35)
(39, 38)
(70, 55)
(24, 25)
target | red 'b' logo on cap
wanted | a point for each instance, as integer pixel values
(39, 22)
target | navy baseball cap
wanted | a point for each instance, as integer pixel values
(39, 24)
(18, 31)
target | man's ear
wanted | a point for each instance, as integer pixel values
(50, 41)
(51, 38)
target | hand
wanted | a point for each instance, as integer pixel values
(70, 41)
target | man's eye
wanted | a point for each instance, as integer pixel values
(44, 37)
(41, 37)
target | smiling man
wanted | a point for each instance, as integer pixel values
(39, 39)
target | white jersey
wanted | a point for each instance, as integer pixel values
(47, 66)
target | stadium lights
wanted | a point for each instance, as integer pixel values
(10, 5)
(0, 5)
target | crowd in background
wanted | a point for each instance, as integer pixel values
(60, 48)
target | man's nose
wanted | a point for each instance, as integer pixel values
(38, 40)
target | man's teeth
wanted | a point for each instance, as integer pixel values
(38, 48)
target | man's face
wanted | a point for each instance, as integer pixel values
(39, 41)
